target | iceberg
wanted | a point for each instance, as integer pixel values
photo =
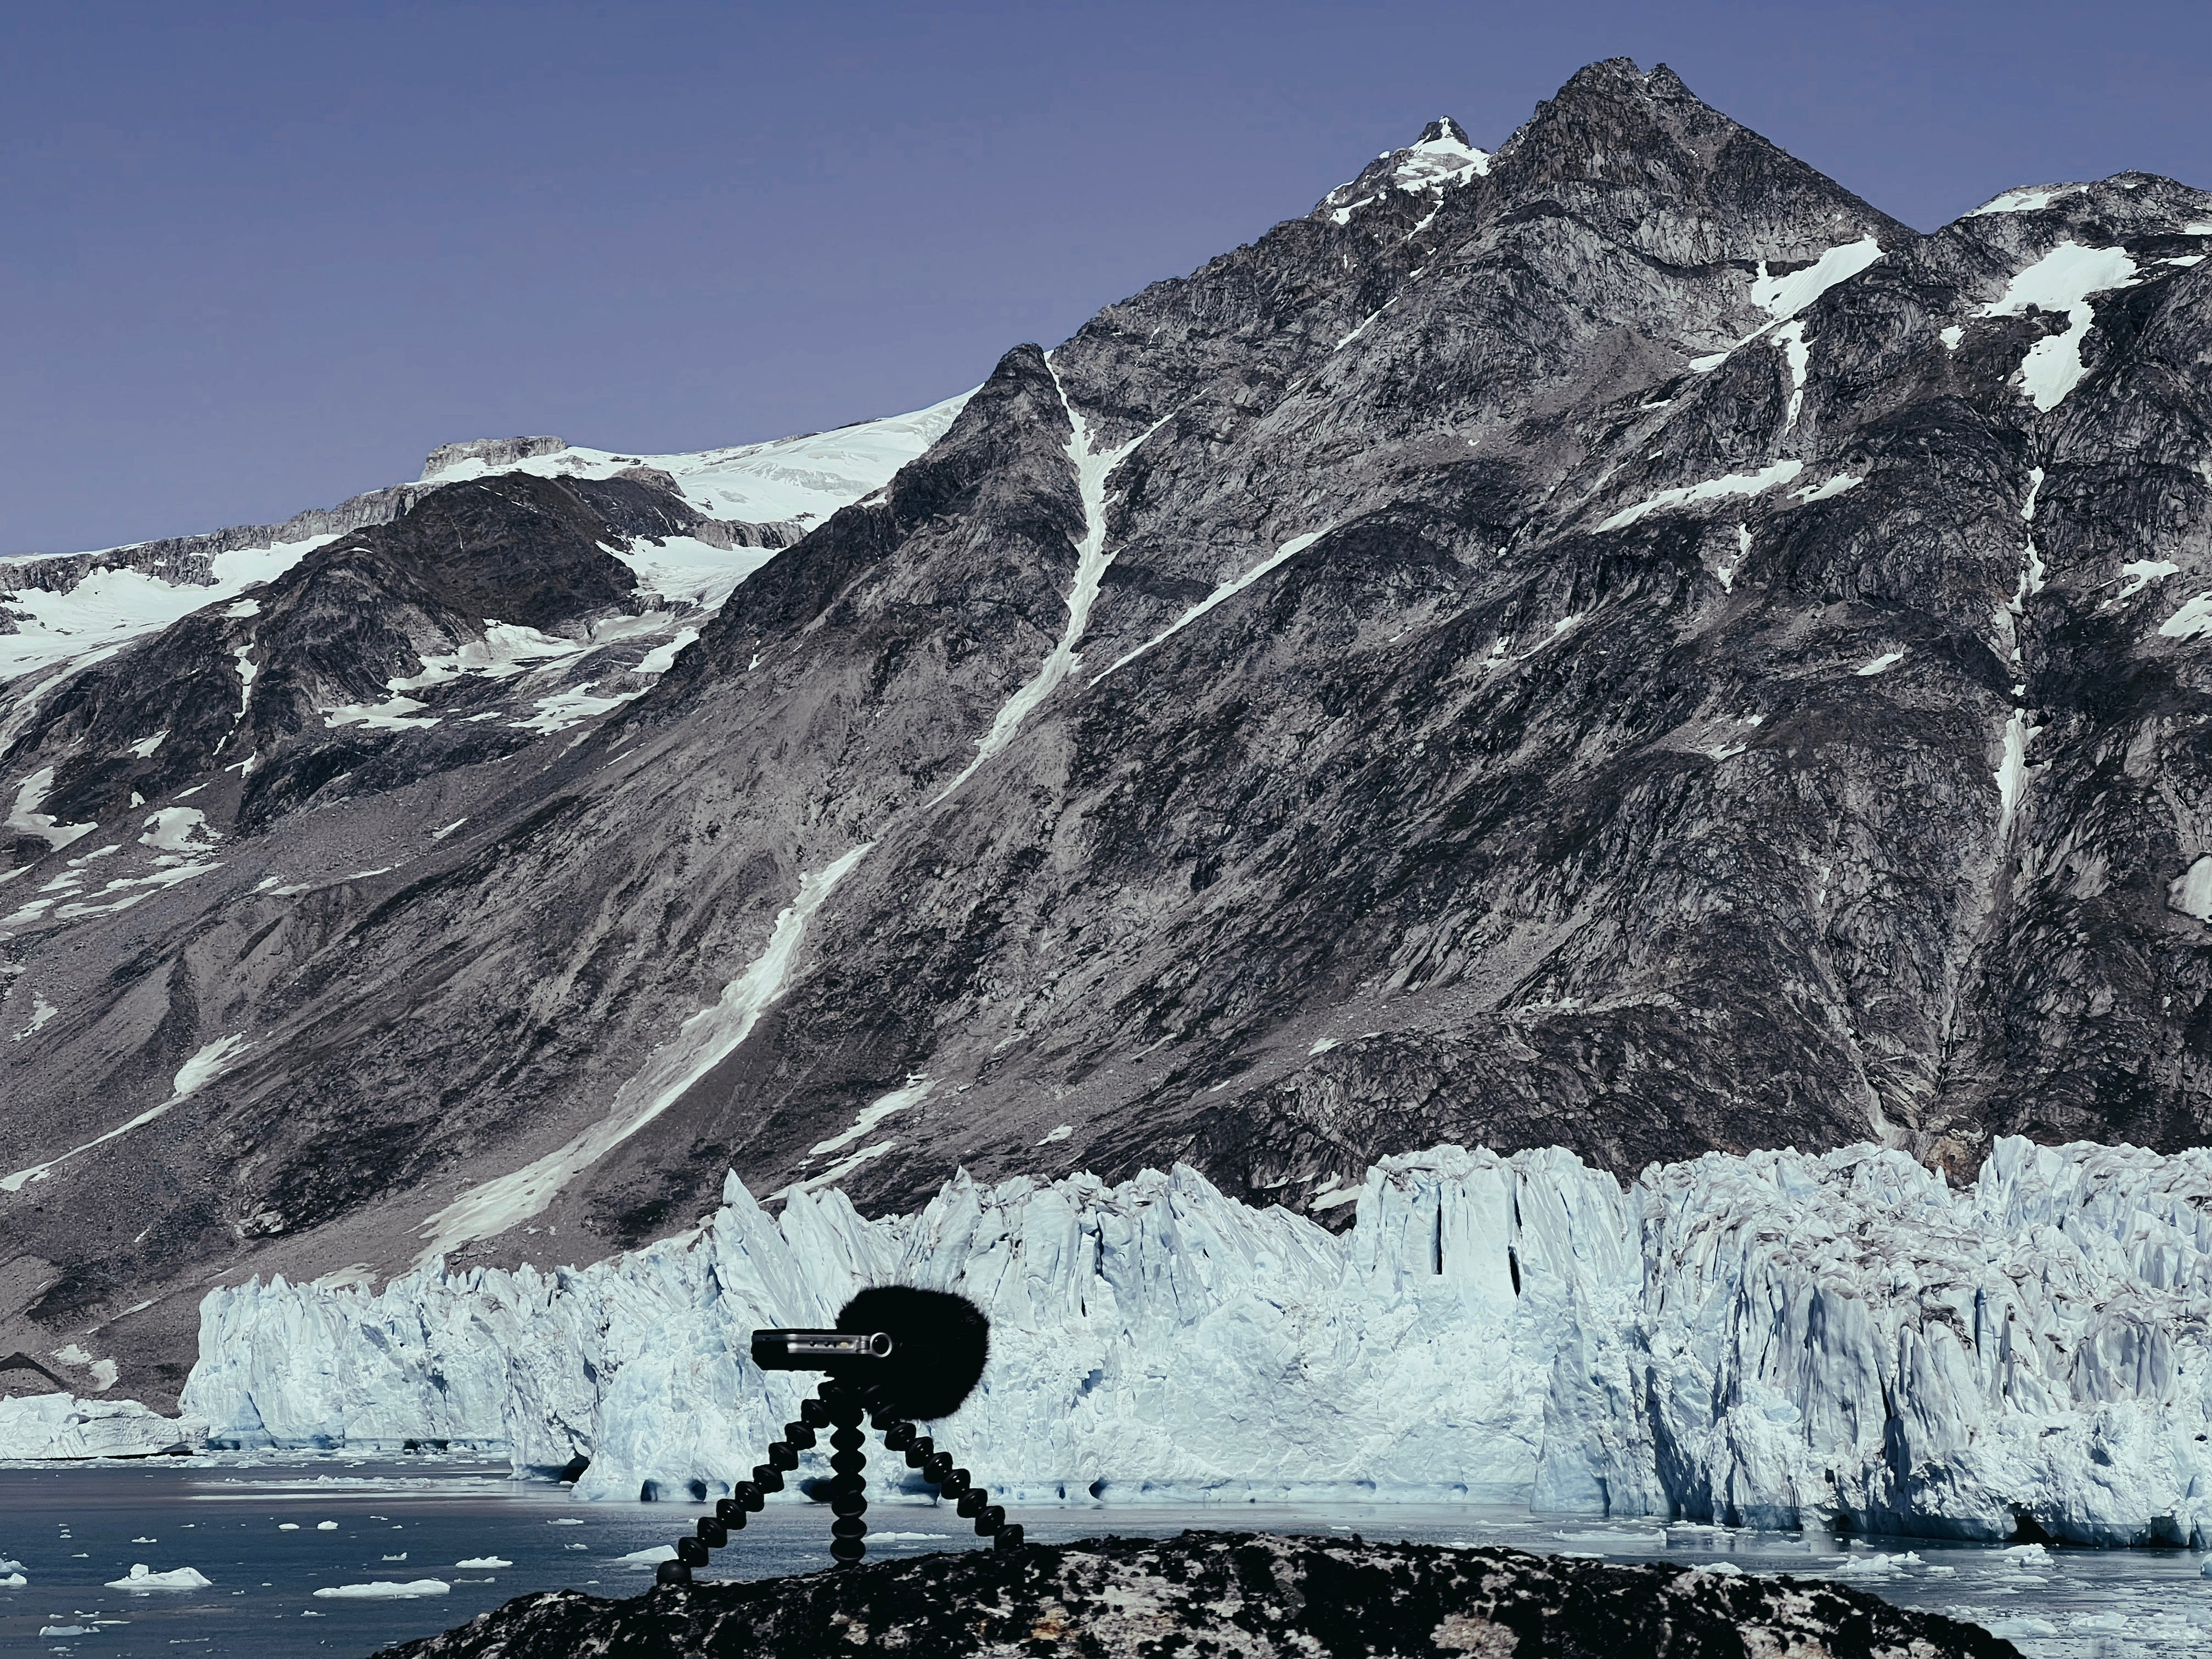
(1774, 1340)
(143, 1577)
(43, 1426)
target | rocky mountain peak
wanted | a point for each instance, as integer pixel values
(1442, 158)
(493, 453)
(1645, 161)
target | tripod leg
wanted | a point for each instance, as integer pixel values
(747, 1496)
(973, 1502)
(848, 1496)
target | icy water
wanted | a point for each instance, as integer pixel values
(269, 1534)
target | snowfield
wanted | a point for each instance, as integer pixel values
(1773, 1339)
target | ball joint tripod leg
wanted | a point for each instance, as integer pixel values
(846, 1407)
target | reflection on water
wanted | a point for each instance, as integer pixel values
(269, 1532)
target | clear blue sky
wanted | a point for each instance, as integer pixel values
(257, 258)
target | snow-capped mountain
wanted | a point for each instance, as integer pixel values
(1607, 642)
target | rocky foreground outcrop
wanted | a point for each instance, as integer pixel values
(1224, 1593)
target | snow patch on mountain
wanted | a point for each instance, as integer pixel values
(114, 606)
(684, 570)
(1775, 1340)
(1093, 469)
(2025, 199)
(804, 478)
(26, 817)
(1785, 296)
(2062, 280)
(1439, 160)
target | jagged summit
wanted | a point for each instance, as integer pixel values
(491, 452)
(1440, 159)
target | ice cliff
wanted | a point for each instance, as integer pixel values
(43, 1426)
(1777, 1339)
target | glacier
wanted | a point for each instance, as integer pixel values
(1775, 1339)
(40, 1427)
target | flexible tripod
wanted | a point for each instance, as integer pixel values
(842, 1404)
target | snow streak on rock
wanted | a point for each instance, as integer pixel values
(1736, 483)
(1775, 1339)
(701, 1043)
(1226, 590)
(197, 1072)
(1092, 470)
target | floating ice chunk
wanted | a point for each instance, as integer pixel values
(565, 1520)
(1735, 483)
(143, 1578)
(480, 1562)
(649, 1557)
(288, 1526)
(2023, 1625)
(67, 1630)
(1727, 1568)
(384, 1590)
(326, 1526)
(402, 1556)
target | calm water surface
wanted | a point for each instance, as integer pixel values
(269, 1532)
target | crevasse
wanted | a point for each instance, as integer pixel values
(1777, 1339)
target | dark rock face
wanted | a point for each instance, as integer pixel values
(1614, 642)
(1225, 1593)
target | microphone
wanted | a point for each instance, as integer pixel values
(816, 1350)
(918, 1353)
